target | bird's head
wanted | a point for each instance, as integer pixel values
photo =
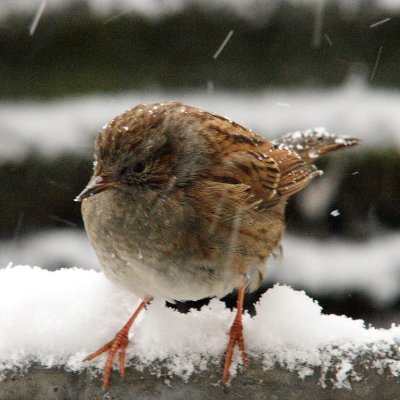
(141, 149)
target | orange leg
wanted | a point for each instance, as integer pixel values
(118, 344)
(235, 336)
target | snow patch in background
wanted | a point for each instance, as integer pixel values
(57, 318)
(156, 8)
(72, 124)
(332, 266)
(55, 249)
(321, 266)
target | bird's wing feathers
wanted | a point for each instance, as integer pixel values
(270, 175)
(272, 170)
(295, 172)
(240, 157)
(258, 171)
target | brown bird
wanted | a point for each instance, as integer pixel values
(184, 204)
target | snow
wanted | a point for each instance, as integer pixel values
(50, 249)
(37, 17)
(380, 22)
(332, 266)
(57, 318)
(223, 44)
(77, 120)
(320, 266)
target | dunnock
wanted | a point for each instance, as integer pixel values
(184, 204)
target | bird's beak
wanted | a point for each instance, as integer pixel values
(96, 185)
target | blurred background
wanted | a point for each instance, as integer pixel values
(67, 67)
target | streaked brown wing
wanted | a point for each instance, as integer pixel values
(239, 157)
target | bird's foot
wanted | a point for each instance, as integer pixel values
(117, 345)
(235, 337)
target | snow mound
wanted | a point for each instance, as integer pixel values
(57, 318)
(323, 267)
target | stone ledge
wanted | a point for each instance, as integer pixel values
(252, 383)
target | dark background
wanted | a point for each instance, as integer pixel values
(75, 51)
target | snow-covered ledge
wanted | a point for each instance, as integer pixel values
(49, 322)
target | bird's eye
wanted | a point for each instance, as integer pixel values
(138, 167)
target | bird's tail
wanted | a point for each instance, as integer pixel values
(313, 143)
